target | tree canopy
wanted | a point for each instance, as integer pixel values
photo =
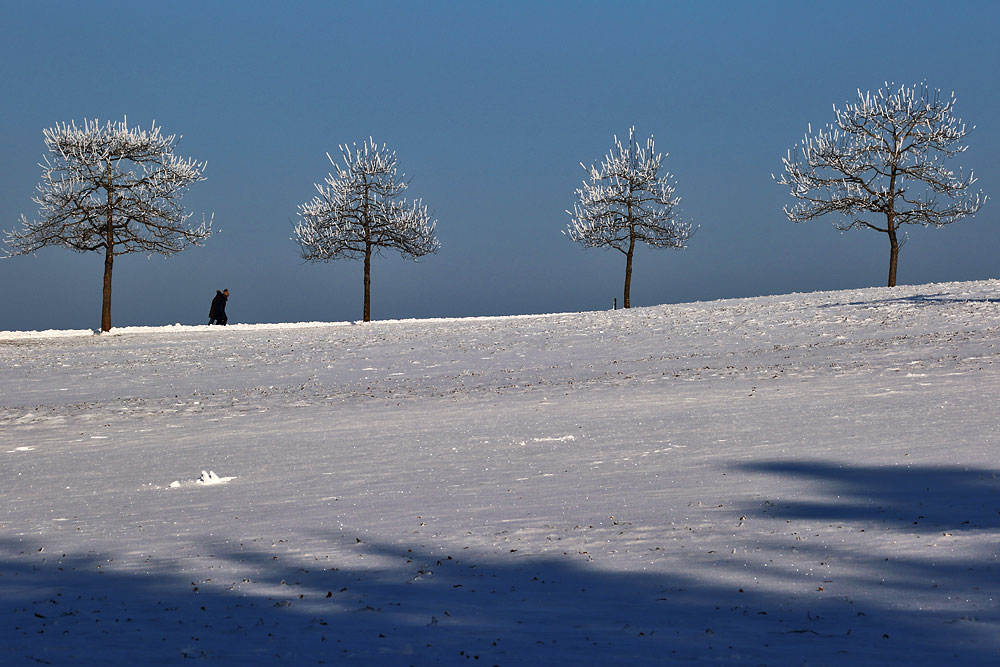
(882, 164)
(359, 211)
(113, 189)
(628, 201)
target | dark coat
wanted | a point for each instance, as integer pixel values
(218, 309)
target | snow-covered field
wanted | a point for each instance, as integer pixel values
(811, 478)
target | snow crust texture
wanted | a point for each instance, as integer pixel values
(797, 479)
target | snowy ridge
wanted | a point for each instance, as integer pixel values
(959, 290)
(47, 333)
(774, 480)
(172, 328)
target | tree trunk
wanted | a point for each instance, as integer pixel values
(628, 272)
(893, 256)
(890, 226)
(368, 284)
(109, 260)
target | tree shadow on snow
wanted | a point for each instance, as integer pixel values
(916, 299)
(358, 600)
(910, 498)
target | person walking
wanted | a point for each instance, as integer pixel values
(217, 313)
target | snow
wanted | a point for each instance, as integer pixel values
(207, 477)
(803, 478)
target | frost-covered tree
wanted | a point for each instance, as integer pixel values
(627, 201)
(882, 164)
(113, 189)
(360, 210)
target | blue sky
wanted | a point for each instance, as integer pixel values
(490, 107)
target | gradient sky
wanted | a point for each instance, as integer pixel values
(491, 107)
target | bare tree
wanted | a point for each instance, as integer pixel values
(111, 189)
(881, 165)
(627, 202)
(359, 211)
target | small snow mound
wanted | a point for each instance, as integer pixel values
(207, 477)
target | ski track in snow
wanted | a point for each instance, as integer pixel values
(804, 478)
